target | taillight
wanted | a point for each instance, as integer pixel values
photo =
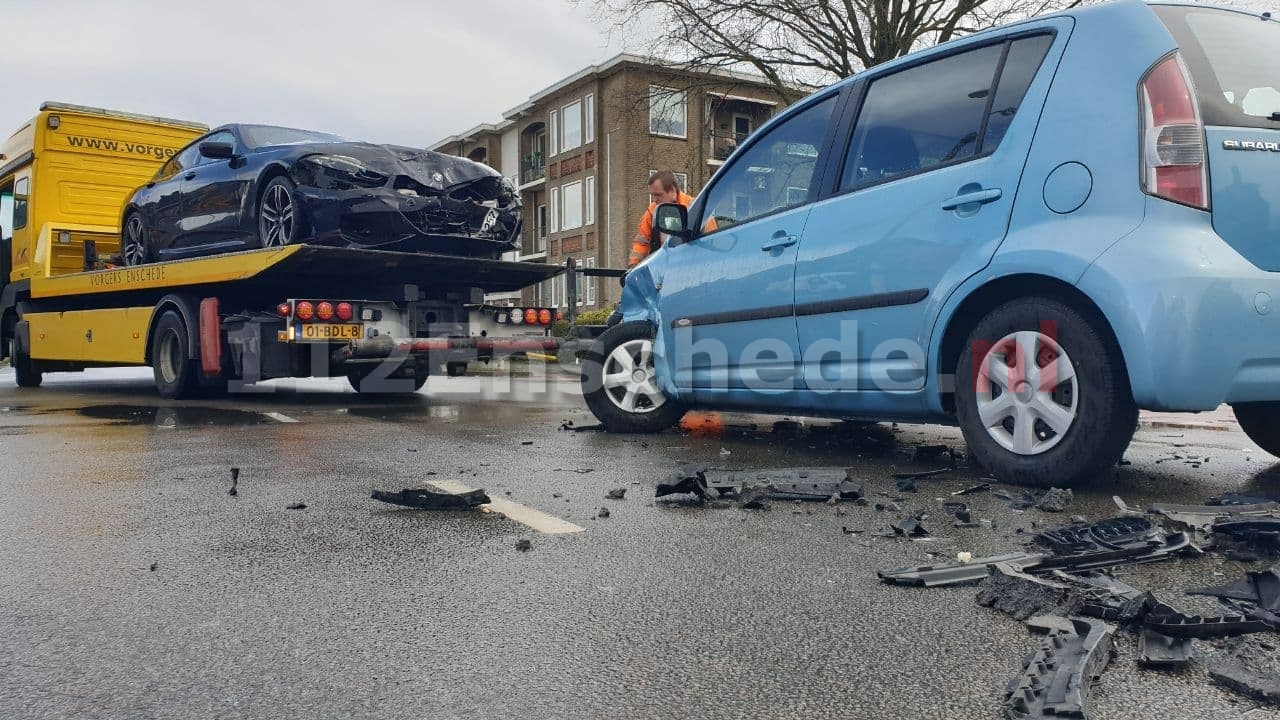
(324, 311)
(283, 310)
(1173, 145)
(544, 316)
(517, 316)
(530, 316)
(345, 312)
(305, 310)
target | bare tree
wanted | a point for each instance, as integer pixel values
(799, 45)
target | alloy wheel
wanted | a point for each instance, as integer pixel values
(135, 242)
(629, 378)
(277, 216)
(1027, 393)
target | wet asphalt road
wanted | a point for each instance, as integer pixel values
(352, 608)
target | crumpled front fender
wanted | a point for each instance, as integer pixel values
(640, 304)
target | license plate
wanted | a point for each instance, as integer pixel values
(312, 331)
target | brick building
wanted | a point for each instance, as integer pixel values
(582, 150)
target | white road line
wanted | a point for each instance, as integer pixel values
(279, 417)
(534, 519)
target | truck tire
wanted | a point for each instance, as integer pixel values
(619, 385)
(25, 371)
(175, 372)
(1062, 419)
(1261, 422)
(359, 374)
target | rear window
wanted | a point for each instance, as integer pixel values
(1234, 59)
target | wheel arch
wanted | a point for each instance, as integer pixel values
(11, 298)
(188, 309)
(271, 172)
(987, 297)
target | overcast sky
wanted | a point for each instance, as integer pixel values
(392, 71)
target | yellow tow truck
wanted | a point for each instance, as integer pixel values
(383, 319)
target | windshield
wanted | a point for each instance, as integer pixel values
(256, 136)
(1234, 61)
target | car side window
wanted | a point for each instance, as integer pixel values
(224, 136)
(1020, 68)
(185, 158)
(776, 172)
(921, 117)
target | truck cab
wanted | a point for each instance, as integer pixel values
(72, 167)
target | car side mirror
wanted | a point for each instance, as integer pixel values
(217, 150)
(673, 219)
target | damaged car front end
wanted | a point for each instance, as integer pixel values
(397, 198)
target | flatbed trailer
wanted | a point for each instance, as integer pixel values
(383, 319)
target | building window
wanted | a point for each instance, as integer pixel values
(555, 211)
(571, 114)
(668, 114)
(589, 119)
(589, 201)
(563, 296)
(540, 230)
(587, 286)
(553, 134)
(571, 212)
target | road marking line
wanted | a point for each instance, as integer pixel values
(535, 519)
(279, 417)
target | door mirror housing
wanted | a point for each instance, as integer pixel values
(673, 219)
(217, 150)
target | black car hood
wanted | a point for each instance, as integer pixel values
(435, 170)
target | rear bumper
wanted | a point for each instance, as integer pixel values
(1198, 324)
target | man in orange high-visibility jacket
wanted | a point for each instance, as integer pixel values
(662, 189)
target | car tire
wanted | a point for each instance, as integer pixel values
(279, 218)
(25, 371)
(1261, 422)
(171, 364)
(135, 244)
(1060, 429)
(359, 374)
(621, 404)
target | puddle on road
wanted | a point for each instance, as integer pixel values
(172, 416)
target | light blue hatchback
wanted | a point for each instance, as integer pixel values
(1031, 232)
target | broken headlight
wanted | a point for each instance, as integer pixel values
(349, 169)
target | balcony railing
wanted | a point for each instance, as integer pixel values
(724, 142)
(532, 167)
(535, 243)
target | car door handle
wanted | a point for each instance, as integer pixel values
(779, 240)
(190, 176)
(980, 197)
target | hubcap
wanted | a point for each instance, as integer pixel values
(629, 378)
(135, 249)
(1027, 392)
(276, 216)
